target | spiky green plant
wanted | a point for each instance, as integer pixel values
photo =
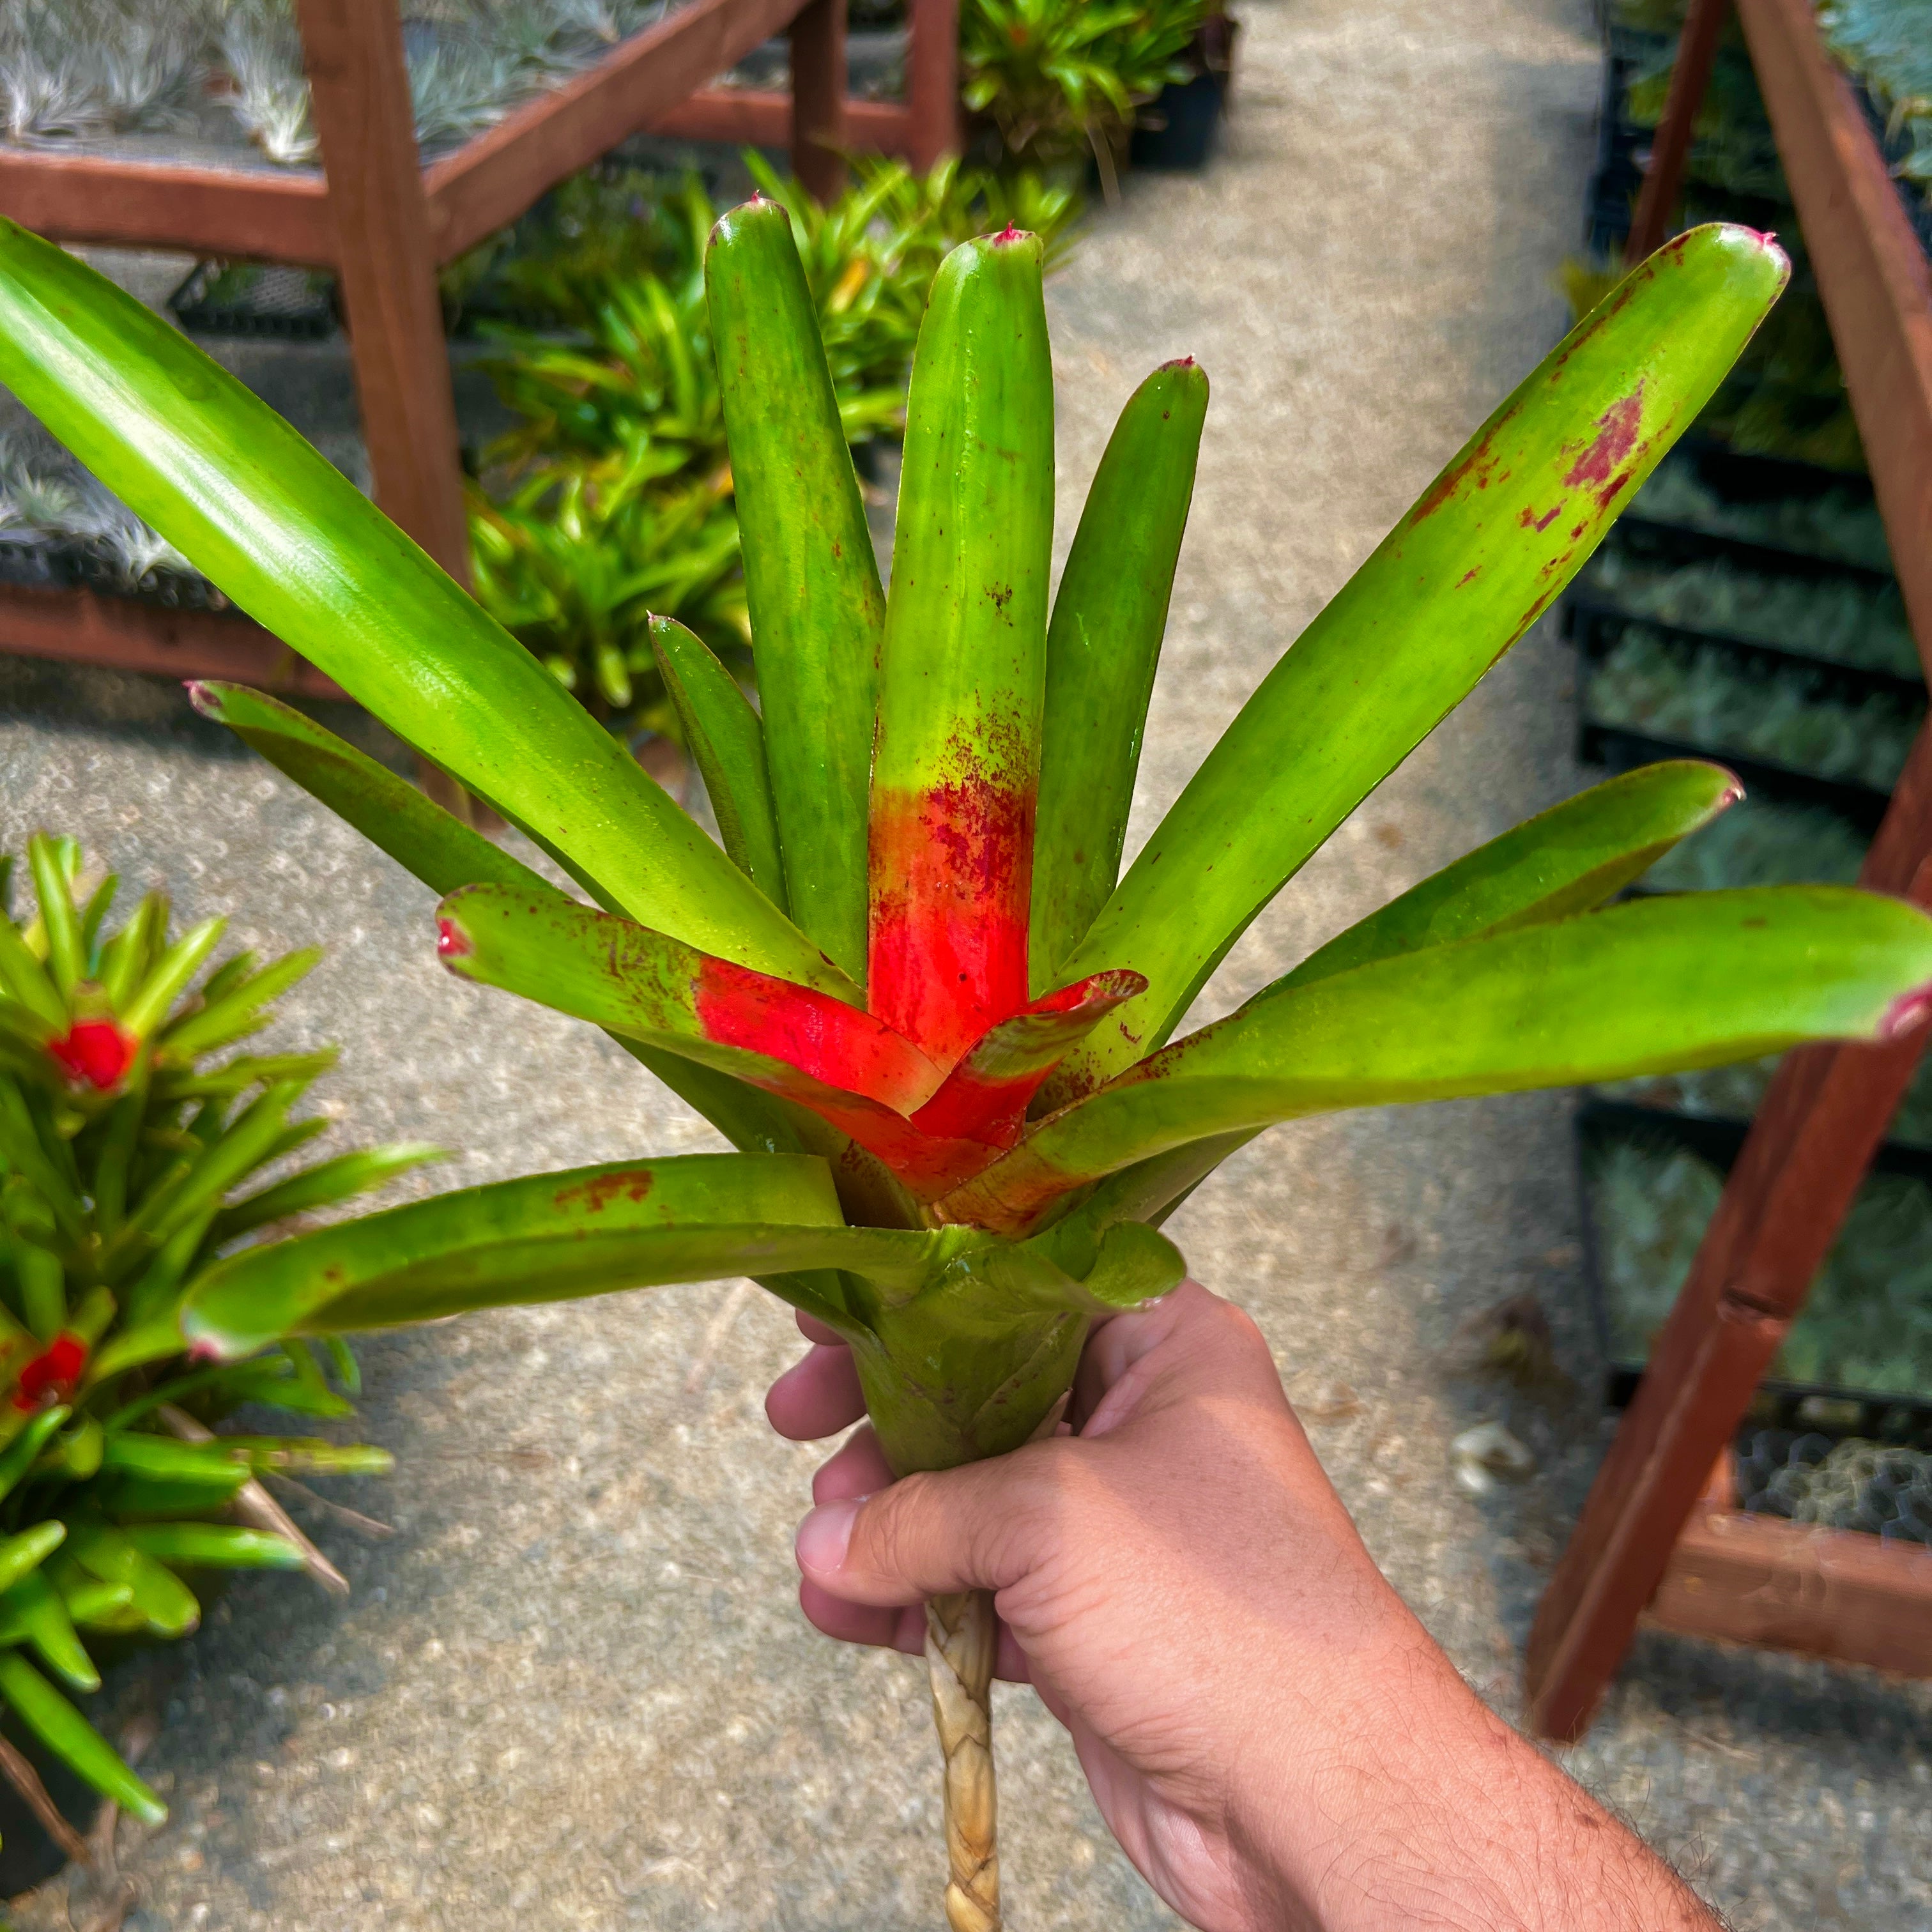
(131, 1155)
(915, 989)
(1053, 76)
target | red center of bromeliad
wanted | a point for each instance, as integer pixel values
(95, 1050)
(52, 1373)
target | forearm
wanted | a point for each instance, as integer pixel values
(1425, 1809)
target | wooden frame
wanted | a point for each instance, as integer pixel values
(384, 223)
(1647, 1540)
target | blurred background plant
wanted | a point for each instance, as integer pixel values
(610, 496)
(1056, 76)
(132, 1153)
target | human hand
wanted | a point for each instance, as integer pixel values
(1270, 1735)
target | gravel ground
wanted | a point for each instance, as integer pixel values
(573, 1689)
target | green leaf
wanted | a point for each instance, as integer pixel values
(727, 740)
(956, 772)
(166, 1603)
(390, 812)
(24, 1451)
(70, 1737)
(28, 1550)
(209, 1466)
(214, 1546)
(31, 1611)
(1649, 986)
(1567, 860)
(812, 584)
(1477, 560)
(445, 855)
(325, 1184)
(1103, 645)
(309, 1455)
(230, 1011)
(545, 1238)
(25, 979)
(299, 547)
(67, 951)
(651, 988)
(172, 972)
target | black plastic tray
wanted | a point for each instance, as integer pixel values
(284, 303)
(1866, 1414)
(1594, 621)
(1618, 748)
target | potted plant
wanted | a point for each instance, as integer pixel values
(133, 1143)
(914, 988)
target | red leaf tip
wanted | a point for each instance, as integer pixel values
(1009, 233)
(451, 941)
(205, 700)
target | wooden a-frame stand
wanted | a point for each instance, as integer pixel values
(1660, 1535)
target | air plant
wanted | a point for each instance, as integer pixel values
(914, 988)
(132, 1153)
(1884, 1489)
(1704, 697)
(45, 496)
(71, 68)
(1845, 620)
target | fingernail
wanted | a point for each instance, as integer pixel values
(824, 1536)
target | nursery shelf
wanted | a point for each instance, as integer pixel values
(383, 222)
(1650, 1539)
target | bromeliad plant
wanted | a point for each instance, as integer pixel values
(915, 989)
(129, 1159)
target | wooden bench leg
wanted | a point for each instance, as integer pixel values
(1670, 147)
(818, 98)
(932, 82)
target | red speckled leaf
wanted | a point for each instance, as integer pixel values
(963, 681)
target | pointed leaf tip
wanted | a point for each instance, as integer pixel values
(1905, 1013)
(204, 697)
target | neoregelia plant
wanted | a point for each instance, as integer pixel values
(133, 1150)
(914, 989)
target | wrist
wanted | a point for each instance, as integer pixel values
(1409, 1801)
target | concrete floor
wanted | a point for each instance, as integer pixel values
(573, 1690)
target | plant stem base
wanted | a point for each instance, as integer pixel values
(961, 1635)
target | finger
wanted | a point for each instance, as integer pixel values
(981, 1527)
(859, 1469)
(879, 1628)
(816, 1396)
(1116, 1346)
(814, 1329)
(901, 1630)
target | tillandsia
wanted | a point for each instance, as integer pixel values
(132, 1153)
(915, 988)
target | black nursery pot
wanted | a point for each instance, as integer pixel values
(1178, 126)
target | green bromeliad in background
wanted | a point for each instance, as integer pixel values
(916, 989)
(132, 1153)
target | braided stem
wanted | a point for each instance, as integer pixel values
(960, 1632)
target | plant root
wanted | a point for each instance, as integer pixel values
(960, 1636)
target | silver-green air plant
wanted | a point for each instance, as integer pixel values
(915, 989)
(136, 1146)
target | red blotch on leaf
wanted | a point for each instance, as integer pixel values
(95, 1050)
(451, 941)
(1616, 437)
(53, 1372)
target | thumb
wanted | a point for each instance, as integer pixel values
(972, 1528)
